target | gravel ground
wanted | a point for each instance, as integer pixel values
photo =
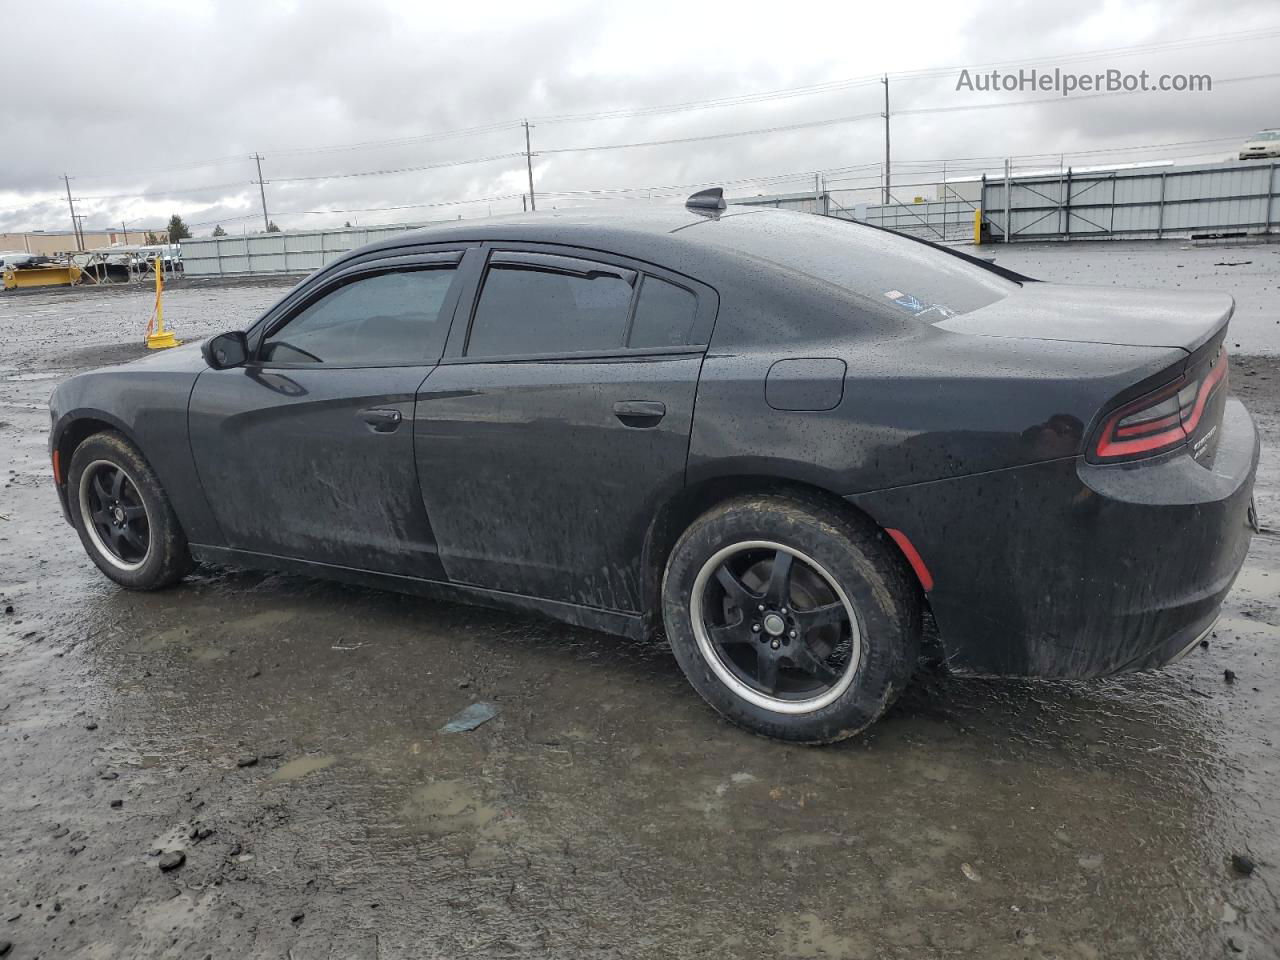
(253, 765)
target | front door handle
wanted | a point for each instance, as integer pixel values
(640, 413)
(381, 420)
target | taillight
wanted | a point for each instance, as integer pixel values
(1162, 420)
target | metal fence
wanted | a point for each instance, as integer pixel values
(949, 219)
(1149, 202)
(276, 253)
(1216, 199)
(1232, 199)
(938, 220)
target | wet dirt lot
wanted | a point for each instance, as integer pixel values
(284, 735)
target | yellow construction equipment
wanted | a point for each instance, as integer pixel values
(55, 275)
(158, 338)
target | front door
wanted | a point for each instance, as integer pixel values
(306, 452)
(558, 422)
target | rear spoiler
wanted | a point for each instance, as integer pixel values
(967, 257)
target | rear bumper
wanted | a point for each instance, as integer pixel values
(1075, 570)
(1174, 536)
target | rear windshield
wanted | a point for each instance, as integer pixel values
(898, 276)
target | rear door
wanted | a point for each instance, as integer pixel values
(306, 452)
(559, 419)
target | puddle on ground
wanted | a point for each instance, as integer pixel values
(450, 806)
(155, 642)
(262, 621)
(299, 768)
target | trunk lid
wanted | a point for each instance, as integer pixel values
(1187, 320)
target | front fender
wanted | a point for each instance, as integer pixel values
(147, 403)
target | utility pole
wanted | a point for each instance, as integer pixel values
(528, 159)
(124, 228)
(75, 224)
(887, 182)
(262, 191)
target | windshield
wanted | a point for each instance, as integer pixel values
(898, 276)
(1267, 135)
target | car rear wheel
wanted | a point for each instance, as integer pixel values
(123, 516)
(793, 620)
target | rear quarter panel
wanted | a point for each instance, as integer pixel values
(918, 404)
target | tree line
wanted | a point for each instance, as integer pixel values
(178, 230)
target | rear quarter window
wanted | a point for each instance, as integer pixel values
(664, 315)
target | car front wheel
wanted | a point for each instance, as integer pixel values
(792, 619)
(123, 516)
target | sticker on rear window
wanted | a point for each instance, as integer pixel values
(905, 300)
(917, 307)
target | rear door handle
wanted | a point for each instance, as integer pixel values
(382, 420)
(640, 413)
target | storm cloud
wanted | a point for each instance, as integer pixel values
(157, 108)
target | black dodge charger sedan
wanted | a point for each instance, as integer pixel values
(783, 438)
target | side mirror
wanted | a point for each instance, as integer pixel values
(226, 350)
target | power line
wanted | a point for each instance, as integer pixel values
(868, 116)
(714, 136)
(186, 165)
(168, 193)
(404, 206)
(1077, 153)
(720, 181)
(400, 141)
(664, 191)
(839, 85)
(832, 173)
(739, 100)
(732, 134)
(397, 170)
(232, 219)
(1074, 98)
(958, 165)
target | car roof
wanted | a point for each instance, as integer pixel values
(621, 220)
(656, 234)
(653, 233)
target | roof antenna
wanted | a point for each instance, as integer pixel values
(710, 199)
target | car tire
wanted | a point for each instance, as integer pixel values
(764, 651)
(124, 517)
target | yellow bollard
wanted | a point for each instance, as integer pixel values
(977, 226)
(158, 338)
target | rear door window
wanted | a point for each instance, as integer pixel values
(539, 303)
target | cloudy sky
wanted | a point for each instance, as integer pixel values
(155, 108)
